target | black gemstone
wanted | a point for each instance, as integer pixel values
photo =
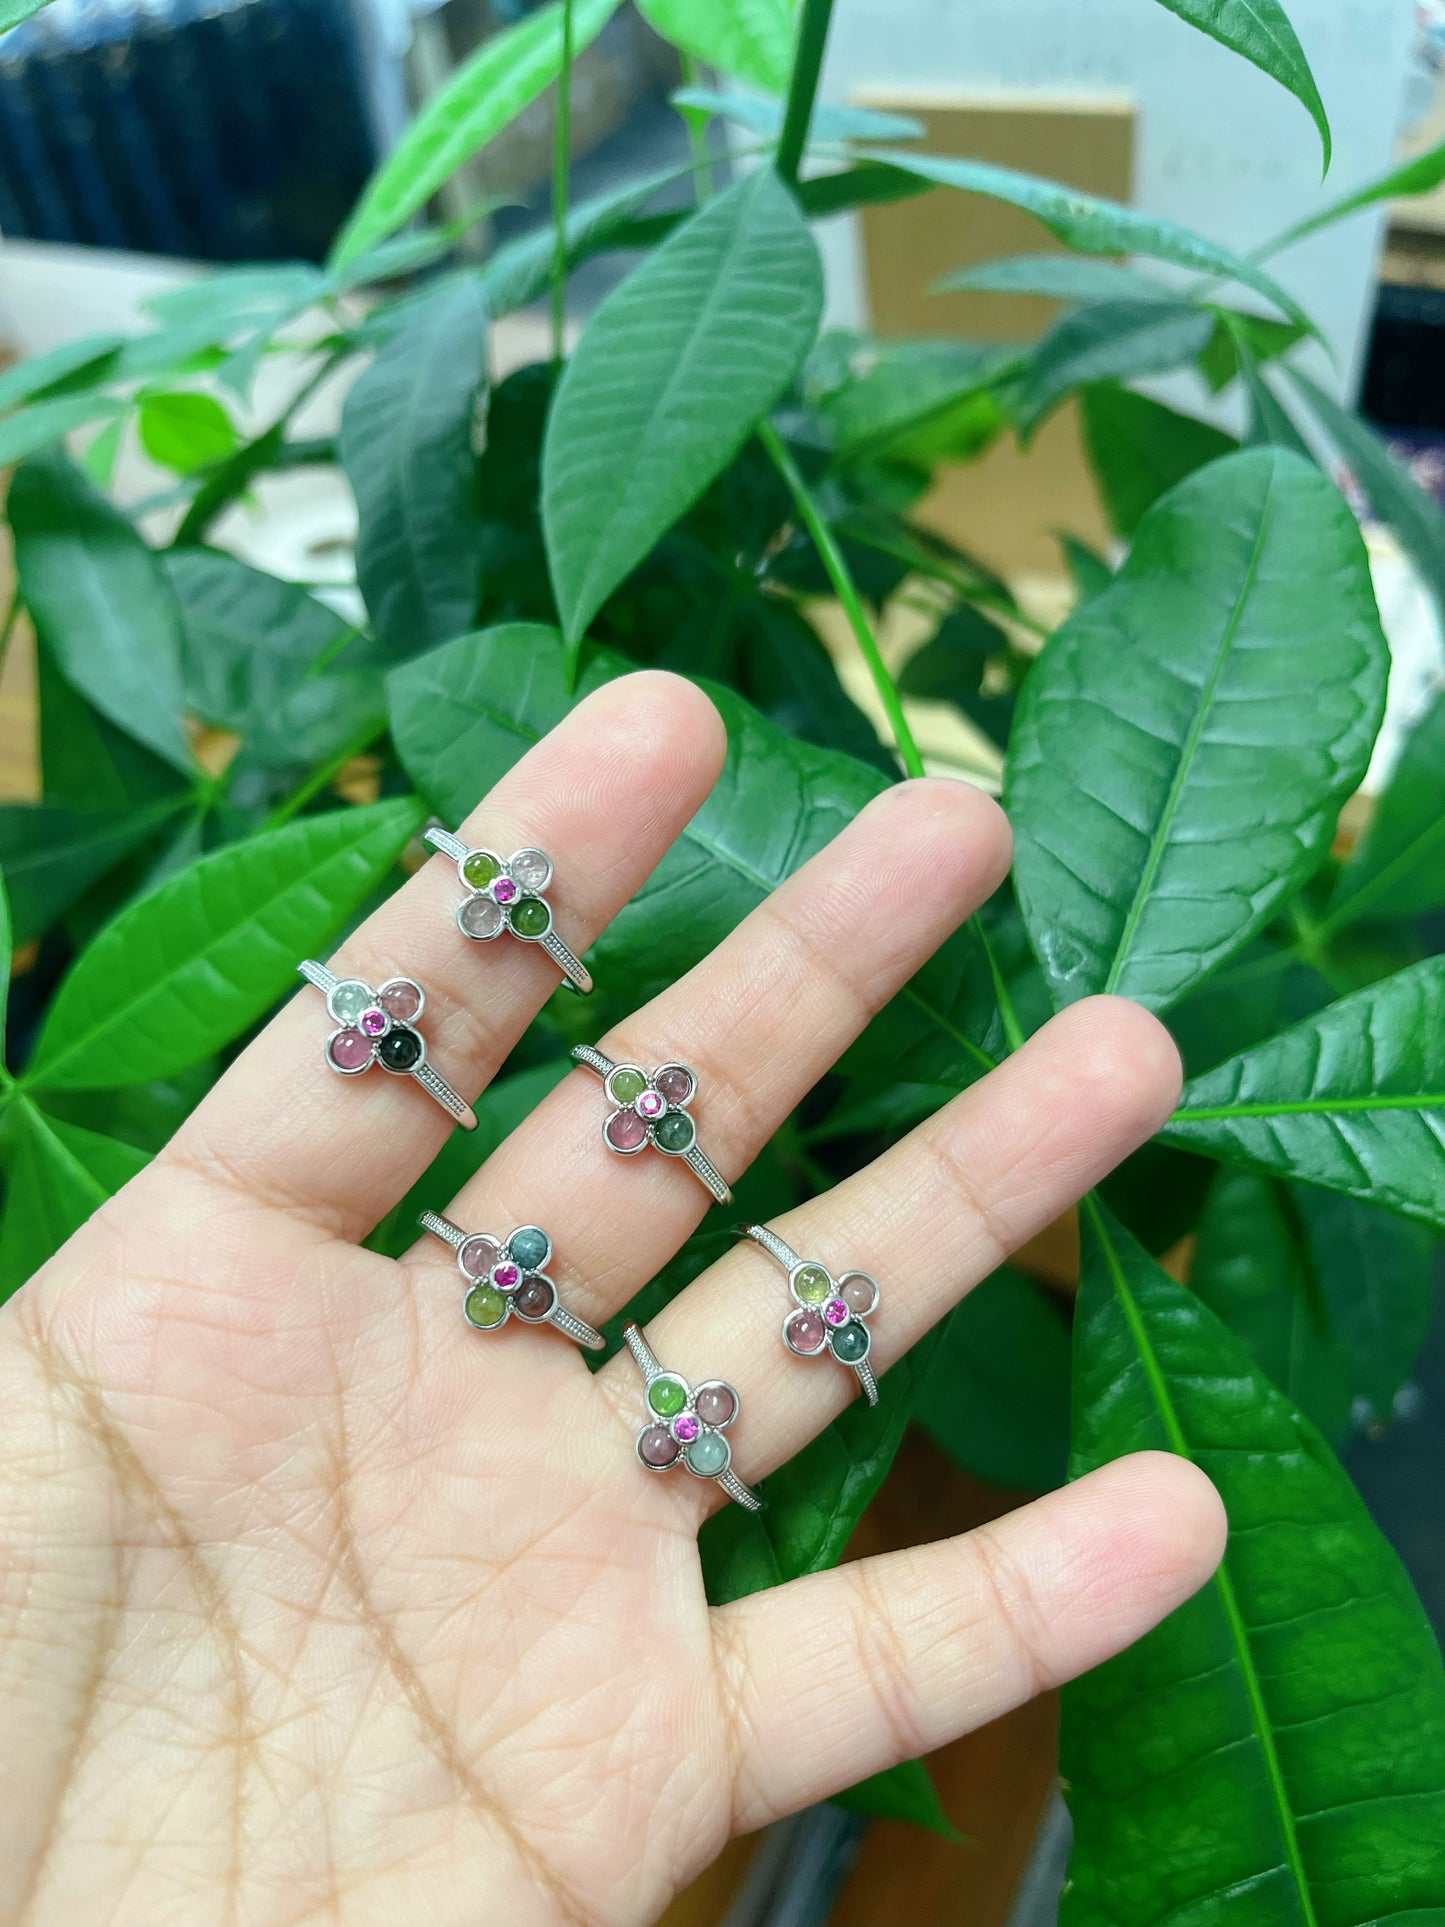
(400, 1049)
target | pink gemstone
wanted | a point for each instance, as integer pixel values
(675, 1084)
(478, 1255)
(685, 1427)
(506, 1276)
(504, 890)
(715, 1404)
(836, 1312)
(650, 1104)
(806, 1331)
(859, 1293)
(657, 1446)
(625, 1131)
(401, 1000)
(373, 1022)
(349, 1050)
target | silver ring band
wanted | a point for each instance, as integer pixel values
(425, 1074)
(696, 1159)
(818, 1340)
(574, 972)
(695, 1425)
(566, 1321)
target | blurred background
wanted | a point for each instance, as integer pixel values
(140, 143)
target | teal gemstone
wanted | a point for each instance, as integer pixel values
(674, 1132)
(529, 1247)
(850, 1342)
(707, 1455)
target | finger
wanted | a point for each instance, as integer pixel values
(605, 794)
(759, 1021)
(841, 1674)
(930, 1218)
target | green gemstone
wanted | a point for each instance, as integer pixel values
(666, 1396)
(529, 1247)
(485, 1306)
(626, 1086)
(480, 869)
(675, 1131)
(530, 917)
(850, 1342)
(707, 1455)
(813, 1285)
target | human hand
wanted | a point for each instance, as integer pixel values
(316, 1606)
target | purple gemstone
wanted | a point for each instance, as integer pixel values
(625, 1131)
(657, 1446)
(675, 1083)
(349, 1050)
(401, 1000)
(715, 1404)
(806, 1332)
(506, 1276)
(504, 890)
(478, 1255)
(535, 1299)
(836, 1312)
(650, 1104)
(373, 1021)
(685, 1427)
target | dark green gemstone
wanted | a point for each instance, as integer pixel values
(674, 1132)
(400, 1049)
(529, 1247)
(530, 917)
(850, 1342)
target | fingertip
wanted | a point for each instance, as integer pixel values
(1163, 1525)
(950, 818)
(1127, 1059)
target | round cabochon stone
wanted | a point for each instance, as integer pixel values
(349, 1050)
(529, 1247)
(715, 1404)
(485, 1307)
(657, 1446)
(401, 999)
(859, 1293)
(349, 999)
(675, 1132)
(480, 868)
(479, 917)
(707, 1455)
(675, 1083)
(478, 1255)
(625, 1131)
(531, 869)
(625, 1085)
(531, 918)
(400, 1049)
(812, 1284)
(667, 1396)
(534, 1298)
(850, 1343)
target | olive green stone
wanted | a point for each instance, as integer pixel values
(675, 1131)
(850, 1342)
(485, 1306)
(627, 1086)
(707, 1455)
(813, 1285)
(529, 1247)
(530, 917)
(480, 869)
(666, 1396)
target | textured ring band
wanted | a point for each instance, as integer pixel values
(379, 1027)
(826, 1315)
(651, 1107)
(685, 1426)
(507, 1277)
(508, 893)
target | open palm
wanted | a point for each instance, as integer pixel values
(316, 1605)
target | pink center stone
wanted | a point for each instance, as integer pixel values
(504, 890)
(350, 1051)
(806, 1331)
(715, 1404)
(401, 1000)
(505, 1276)
(373, 1022)
(650, 1104)
(625, 1131)
(675, 1084)
(685, 1427)
(836, 1312)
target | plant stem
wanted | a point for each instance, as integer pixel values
(696, 125)
(832, 559)
(803, 87)
(319, 778)
(561, 158)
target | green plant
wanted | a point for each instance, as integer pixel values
(1177, 753)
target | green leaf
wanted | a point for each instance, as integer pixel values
(68, 369)
(1241, 339)
(12, 12)
(1352, 1098)
(1270, 423)
(1253, 1268)
(1274, 1752)
(59, 1175)
(89, 766)
(1397, 869)
(1260, 31)
(674, 371)
(904, 1792)
(917, 401)
(1153, 836)
(45, 422)
(750, 39)
(996, 1395)
(1111, 341)
(7, 960)
(1088, 571)
(1089, 225)
(51, 855)
(484, 95)
(185, 431)
(1138, 449)
(229, 298)
(100, 602)
(1396, 497)
(183, 971)
(1376, 1277)
(406, 446)
(829, 122)
(952, 667)
(1419, 176)
(786, 672)
(102, 452)
(1058, 277)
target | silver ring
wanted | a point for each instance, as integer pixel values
(685, 1426)
(508, 893)
(651, 1107)
(379, 1027)
(507, 1278)
(827, 1314)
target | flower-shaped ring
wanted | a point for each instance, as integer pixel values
(507, 893)
(652, 1108)
(379, 1027)
(685, 1426)
(827, 1315)
(507, 1278)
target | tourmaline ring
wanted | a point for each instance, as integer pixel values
(827, 1315)
(685, 1427)
(507, 1278)
(651, 1107)
(507, 893)
(379, 1027)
